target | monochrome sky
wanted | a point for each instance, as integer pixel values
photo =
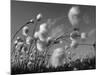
(21, 12)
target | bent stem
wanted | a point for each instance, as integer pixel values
(19, 30)
(87, 44)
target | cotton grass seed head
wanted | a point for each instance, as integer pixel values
(19, 45)
(56, 57)
(32, 21)
(43, 28)
(29, 40)
(42, 33)
(83, 35)
(74, 44)
(15, 42)
(73, 15)
(24, 49)
(74, 35)
(48, 39)
(36, 34)
(39, 46)
(18, 40)
(39, 17)
(25, 31)
(41, 37)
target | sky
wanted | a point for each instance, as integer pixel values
(22, 11)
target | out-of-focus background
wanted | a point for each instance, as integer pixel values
(21, 12)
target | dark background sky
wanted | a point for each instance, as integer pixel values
(22, 11)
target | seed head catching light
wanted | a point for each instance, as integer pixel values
(25, 31)
(39, 17)
(29, 40)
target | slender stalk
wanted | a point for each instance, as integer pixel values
(34, 41)
(87, 44)
(19, 30)
(34, 29)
